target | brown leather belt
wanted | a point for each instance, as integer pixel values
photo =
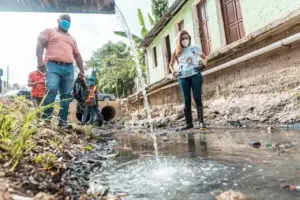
(60, 63)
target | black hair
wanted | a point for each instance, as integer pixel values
(65, 17)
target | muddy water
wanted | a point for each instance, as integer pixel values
(198, 166)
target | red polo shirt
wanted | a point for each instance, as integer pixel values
(39, 89)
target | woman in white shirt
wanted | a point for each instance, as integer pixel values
(191, 61)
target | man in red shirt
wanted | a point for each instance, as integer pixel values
(36, 80)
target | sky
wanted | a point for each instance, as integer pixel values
(19, 32)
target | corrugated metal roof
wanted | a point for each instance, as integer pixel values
(172, 11)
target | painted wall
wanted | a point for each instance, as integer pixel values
(158, 73)
(259, 13)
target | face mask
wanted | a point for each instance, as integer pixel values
(64, 25)
(185, 43)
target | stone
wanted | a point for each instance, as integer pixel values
(231, 195)
(43, 196)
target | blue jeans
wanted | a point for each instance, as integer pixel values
(193, 83)
(59, 78)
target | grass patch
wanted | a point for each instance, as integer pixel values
(18, 123)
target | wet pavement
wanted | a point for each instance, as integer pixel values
(199, 166)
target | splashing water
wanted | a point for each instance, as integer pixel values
(139, 73)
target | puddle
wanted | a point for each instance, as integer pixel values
(198, 166)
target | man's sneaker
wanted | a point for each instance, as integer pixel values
(64, 125)
(202, 126)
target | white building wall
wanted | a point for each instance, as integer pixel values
(259, 13)
(158, 73)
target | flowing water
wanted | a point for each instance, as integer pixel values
(199, 166)
(139, 73)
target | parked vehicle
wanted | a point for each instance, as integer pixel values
(15, 93)
(106, 97)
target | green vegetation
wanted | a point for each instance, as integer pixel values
(159, 7)
(17, 125)
(115, 69)
(47, 160)
(88, 148)
(56, 143)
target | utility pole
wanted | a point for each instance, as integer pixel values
(7, 78)
(1, 74)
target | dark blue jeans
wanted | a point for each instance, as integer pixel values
(59, 78)
(193, 83)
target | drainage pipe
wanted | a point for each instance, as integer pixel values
(256, 53)
(243, 58)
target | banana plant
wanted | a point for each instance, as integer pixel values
(159, 7)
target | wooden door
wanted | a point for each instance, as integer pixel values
(167, 54)
(233, 20)
(203, 27)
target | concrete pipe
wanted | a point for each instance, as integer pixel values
(109, 109)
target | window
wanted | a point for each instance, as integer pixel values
(181, 26)
(155, 57)
(233, 20)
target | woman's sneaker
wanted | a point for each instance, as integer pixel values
(202, 126)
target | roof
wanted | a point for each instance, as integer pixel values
(171, 12)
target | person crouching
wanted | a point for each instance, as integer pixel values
(91, 102)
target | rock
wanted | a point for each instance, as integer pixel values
(289, 187)
(231, 195)
(10, 190)
(2, 174)
(4, 194)
(84, 197)
(43, 196)
(236, 124)
(121, 194)
(111, 197)
(255, 144)
(165, 138)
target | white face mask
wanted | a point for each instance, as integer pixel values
(185, 43)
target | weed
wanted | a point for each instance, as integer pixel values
(47, 160)
(17, 126)
(88, 148)
(56, 143)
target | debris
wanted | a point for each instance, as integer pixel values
(43, 196)
(236, 124)
(231, 195)
(288, 186)
(4, 193)
(255, 144)
(269, 145)
(284, 145)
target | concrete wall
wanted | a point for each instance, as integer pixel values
(259, 13)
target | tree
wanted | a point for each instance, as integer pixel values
(115, 69)
(159, 7)
(138, 39)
